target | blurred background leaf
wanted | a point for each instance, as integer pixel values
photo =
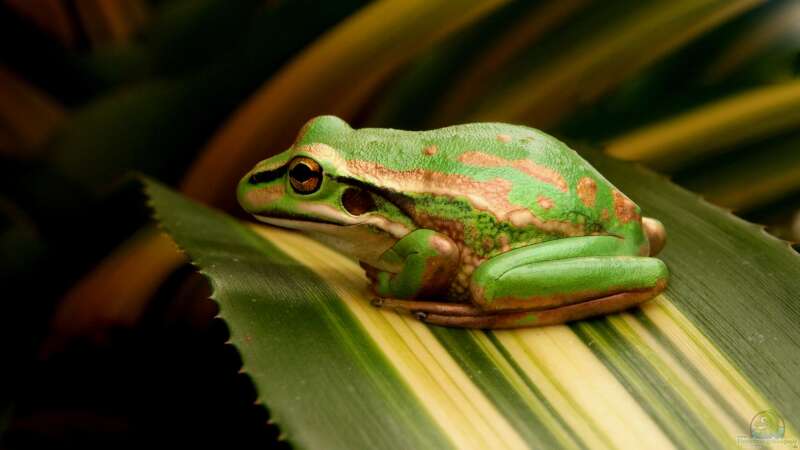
(192, 92)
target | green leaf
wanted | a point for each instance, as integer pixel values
(713, 128)
(689, 369)
(579, 72)
(755, 175)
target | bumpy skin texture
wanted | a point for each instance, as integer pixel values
(479, 225)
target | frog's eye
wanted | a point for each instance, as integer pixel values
(305, 175)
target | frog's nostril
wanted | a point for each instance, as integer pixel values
(258, 178)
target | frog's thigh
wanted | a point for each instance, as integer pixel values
(521, 280)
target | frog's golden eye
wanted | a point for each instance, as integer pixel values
(305, 175)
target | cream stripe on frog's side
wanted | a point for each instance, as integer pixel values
(429, 371)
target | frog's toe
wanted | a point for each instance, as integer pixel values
(425, 307)
(370, 271)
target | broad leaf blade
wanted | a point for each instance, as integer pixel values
(689, 369)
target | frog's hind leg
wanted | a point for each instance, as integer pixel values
(552, 282)
(564, 272)
(558, 281)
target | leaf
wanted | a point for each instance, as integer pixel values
(712, 128)
(489, 64)
(771, 31)
(429, 76)
(757, 175)
(106, 22)
(579, 74)
(27, 114)
(687, 370)
(49, 15)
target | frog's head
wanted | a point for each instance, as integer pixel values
(309, 187)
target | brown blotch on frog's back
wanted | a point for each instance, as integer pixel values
(526, 166)
(430, 150)
(524, 218)
(587, 191)
(504, 138)
(545, 202)
(624, 208)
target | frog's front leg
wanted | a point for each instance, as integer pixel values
(428, 261)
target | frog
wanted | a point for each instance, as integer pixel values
(479, 225)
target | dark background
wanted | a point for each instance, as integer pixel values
(92, 92)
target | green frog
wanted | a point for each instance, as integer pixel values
(482, 225)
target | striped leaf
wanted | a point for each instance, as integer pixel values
(713, 128)
(578, 74)
(689, 369)
(770, 170)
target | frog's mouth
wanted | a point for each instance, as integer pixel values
(294, 222)
(327, 219)
(301, 223)
(332, 227)
(359, 240)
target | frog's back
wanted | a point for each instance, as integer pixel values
(521, 178)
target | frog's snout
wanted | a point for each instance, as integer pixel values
(245, 194)
(656, 234)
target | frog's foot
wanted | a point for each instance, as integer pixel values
(536, 318)
(421, 308)
(370, 271)
(425, 264)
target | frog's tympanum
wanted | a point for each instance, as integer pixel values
(483, 225)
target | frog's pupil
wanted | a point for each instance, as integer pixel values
(301, 172)
(305, 175)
